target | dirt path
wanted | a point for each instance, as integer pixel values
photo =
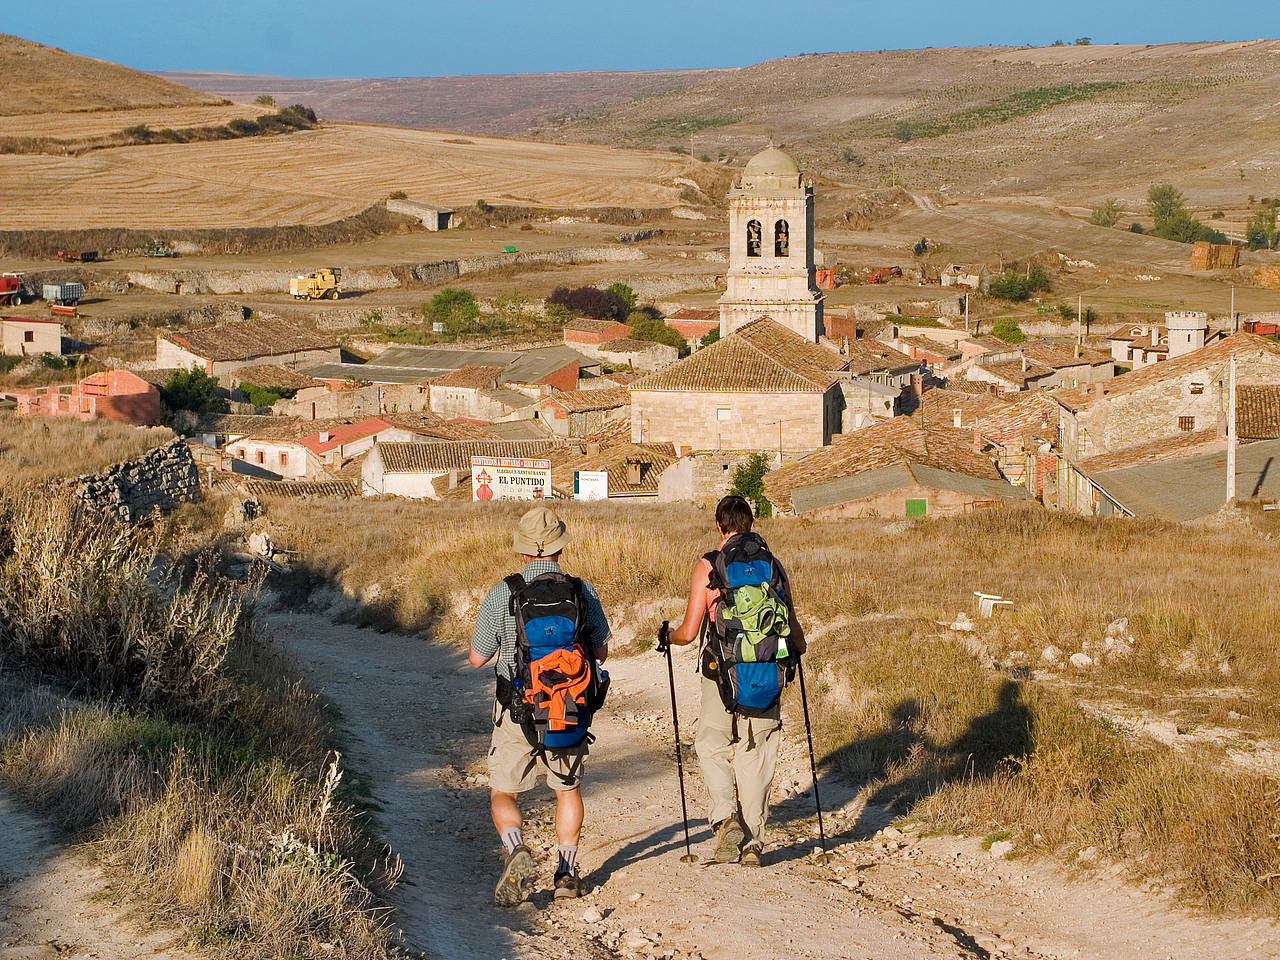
(52, 903)
(417, 719)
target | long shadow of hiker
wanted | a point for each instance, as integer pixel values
(992, 741)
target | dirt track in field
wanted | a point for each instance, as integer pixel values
(417, 721)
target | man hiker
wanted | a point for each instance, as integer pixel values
(545, 633)
(741, 594)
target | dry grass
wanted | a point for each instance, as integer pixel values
(908, 709)
(178, 743)
(34, 450)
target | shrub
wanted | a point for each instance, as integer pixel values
(1107, 213)
(243, 127)
(398, 195)
(591, 302)
(710, 337)
(645, 326)
(457, 309)
(748, 482)
(265, 396)
(625, 293)
(266, 99)
(1136, 228)
(1261, 231)
(1007, 329)
(192, 390)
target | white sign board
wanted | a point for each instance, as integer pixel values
(590, 485)
(510, 478)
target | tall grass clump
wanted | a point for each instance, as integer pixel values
(167, 733)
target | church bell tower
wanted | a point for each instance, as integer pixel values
(771, 249)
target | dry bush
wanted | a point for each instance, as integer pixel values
(34, 450)
(183, 746)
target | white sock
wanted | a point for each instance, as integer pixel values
(512, 837)
(568, 860)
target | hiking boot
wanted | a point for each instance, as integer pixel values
(751, 855)
(517, 877)
(569, 886)
(729, 838)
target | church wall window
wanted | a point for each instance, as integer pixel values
(781, 239)
(753, 238)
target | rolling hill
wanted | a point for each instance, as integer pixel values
(41, 79)
(504, 105)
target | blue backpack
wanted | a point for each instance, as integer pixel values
(557, 686)
(748, 654)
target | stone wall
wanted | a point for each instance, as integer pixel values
(134, 489)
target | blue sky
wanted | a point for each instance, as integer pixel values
(326, 38)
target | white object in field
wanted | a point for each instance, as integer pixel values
(987, 603)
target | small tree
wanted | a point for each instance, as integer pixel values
(624, 293)
(1107, 213)
(1261, 231)
(710, 337)
(266, 99)
(192, 390)
(1007, 329)
(645, 326)
(455, 308)
(748, 483)
(1010, 285)
(265, 396)
(1084, 41)
(921, 247)
(1166, 204)
(591, 302)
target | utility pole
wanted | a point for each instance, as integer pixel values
(1231, 433)
(1235, 327)
(1080, 319)
(966, 313)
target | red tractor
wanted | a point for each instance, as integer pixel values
(11, 289)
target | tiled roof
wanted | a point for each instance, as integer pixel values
(613, 460)
(761, 357)
(931, 345)
(300, 489)
(589, 325)
(937, 407)
(343, 433)
(274, 375)
(696, 314)
(580, 401)
(1035, 411)
(991, 344)
(629, 345)
(898, 441)
(471, 377)
(430, 425)
(617, 430)
(871, 356)
(454, 455)
(1012, 372)
(1157, 451)
(250, 425)
(1059, 355)
(246, 339)
(1215, 353)
(1258, 412)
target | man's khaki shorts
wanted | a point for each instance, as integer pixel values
(514, 768)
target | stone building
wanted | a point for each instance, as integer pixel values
(228, 347)
(764, 387)
(583, 412)
(1186, 394)
(771, 262)
(426, 471)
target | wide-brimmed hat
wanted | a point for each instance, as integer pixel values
(540, 533)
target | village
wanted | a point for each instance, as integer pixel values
(847, 411)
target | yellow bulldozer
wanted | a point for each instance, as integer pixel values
(324, 284)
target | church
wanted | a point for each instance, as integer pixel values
(771, 268)
(769, 382)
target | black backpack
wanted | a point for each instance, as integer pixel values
(557, 685)
(747, 652)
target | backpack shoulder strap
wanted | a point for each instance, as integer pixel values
(515, 583)
(715, 575)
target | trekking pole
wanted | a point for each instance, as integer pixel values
(664, 646)
(813, 766)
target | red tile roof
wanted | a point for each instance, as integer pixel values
(1218, 352)
(580, 401)
(896, 441)
(470, 377)
(761, 357)
(344, 433)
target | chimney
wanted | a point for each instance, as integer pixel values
(1098, 390)
(917, 384)
(977, 441)
(633, 471)
(957, 418)
(1024, 362)
(324, 436)
(593, 448)
(684, 451)
(1077, 349)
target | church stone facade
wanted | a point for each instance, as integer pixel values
(771, 269)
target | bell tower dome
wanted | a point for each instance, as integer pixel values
(771, 248)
